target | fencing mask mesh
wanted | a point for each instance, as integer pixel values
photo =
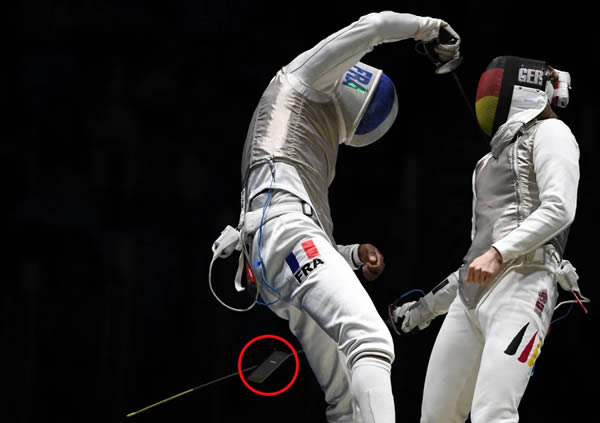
(508, 85)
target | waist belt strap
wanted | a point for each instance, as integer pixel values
(252, 219)
(231, 239)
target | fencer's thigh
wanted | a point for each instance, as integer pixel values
(308, 273)
(514, 320)
(452, 369)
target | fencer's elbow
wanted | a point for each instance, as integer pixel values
(388, 26)
(375, 19)
(374, 24)
(569, 215)
(567, 211)
(563, 211)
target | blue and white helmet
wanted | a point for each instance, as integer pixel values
(368, 102)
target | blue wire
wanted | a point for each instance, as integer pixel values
(551, 323)
(411, 291)
(260, 261)
(563, 316)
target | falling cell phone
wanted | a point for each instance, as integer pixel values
(268, 366)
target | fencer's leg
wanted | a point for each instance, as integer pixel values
(372, 389)
(312, 277)
(502, 381)
(515, 321)
(334, 297)
(328, 365)
(452, 369)
(282, 235)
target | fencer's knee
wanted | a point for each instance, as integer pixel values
(381, 358)
(380, 347)
(382, 361)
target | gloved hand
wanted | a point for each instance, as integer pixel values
(448, 47)
(419, 314)
(411, 315)
(446, 40)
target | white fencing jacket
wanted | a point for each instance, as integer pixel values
(295, 132)
(524, 195)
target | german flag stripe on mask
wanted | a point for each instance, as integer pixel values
(495, 89)
(487, 96)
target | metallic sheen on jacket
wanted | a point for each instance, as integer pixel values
(288, 127)
(506, 193)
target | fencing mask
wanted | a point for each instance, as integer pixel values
(368, 103)
(509, 85)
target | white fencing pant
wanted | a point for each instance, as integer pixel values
(328, 309)
(482, 358)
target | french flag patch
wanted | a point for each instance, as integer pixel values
(312, 254)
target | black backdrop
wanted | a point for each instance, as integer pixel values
(126, 126)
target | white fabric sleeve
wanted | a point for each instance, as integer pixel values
(556, 163)
(350, 254)
(438, 300)
(320, 67)
(435, 303)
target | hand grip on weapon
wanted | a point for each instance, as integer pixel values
(440, 40)
(408, 316)
(448, 44)
(405, 317)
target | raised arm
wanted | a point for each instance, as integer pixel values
(321, 66)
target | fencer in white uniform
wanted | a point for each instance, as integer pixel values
(323, 98)
(524, 201)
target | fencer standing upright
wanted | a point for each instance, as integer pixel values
(524, 202)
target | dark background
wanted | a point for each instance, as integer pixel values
(125, 129)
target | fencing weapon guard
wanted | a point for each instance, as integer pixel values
(449, 67)
(396, 323)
